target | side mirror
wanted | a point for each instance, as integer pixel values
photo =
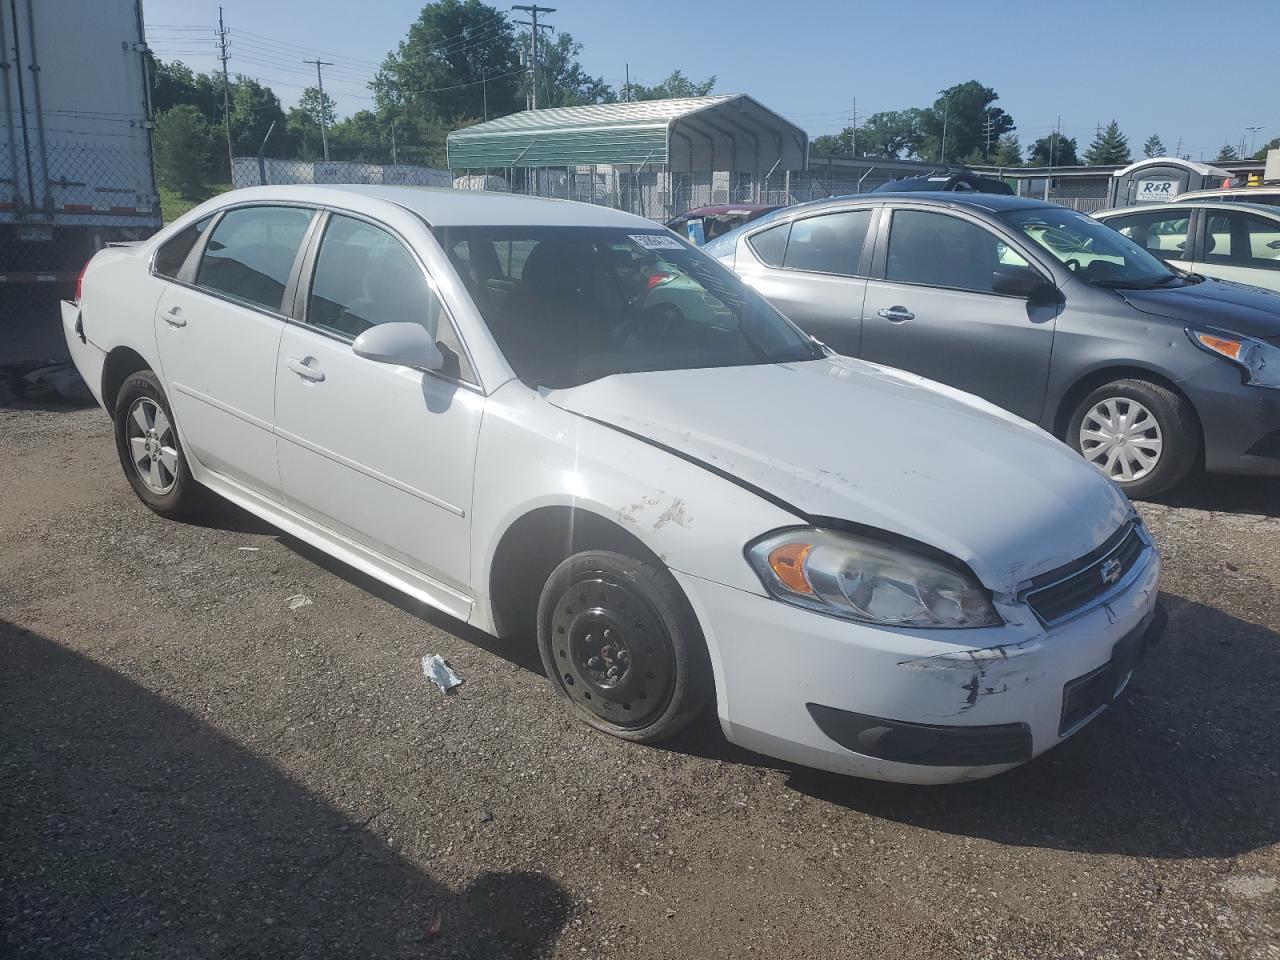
(406, 344)
(1021, 282)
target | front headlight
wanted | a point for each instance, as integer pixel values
(1259, 360)
(862, 579)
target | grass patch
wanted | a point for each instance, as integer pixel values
(173, 205)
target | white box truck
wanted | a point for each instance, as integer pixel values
(75, 138)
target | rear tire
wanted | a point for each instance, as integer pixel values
(150, 451)
(1140, 434)
(621, 646)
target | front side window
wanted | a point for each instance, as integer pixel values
(571, 304)
(251, 252)
(831, 243)
(1243, 240)
(1163, 234)
(1092, 250)
(364, 276)
(944, 251)
(173, 252)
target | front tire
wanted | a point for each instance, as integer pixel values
(621, 646)
(150, 451)
(1140, 434)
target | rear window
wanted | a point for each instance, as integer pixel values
(770, 245)
(173, 252)
(251, 252)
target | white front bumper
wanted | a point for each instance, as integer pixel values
(771, 659)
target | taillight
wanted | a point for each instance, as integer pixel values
(80, 281)
(657, 280)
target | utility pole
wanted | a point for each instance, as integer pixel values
(324, 134)
(393, 142)
(484, 90)
(226, 94)
(627, 95)
(989, 126)
(853, 123)
(1253, 139)
(946, 105)
(533, 10)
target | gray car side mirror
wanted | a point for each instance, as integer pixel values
(1022, 282)
(406, 344)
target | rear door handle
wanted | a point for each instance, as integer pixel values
(896, 314)
(173, 317)
(305, 370)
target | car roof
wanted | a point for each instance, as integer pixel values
(722, 208)
(993, 202)
(444, 206)
(1206, 204)
(1268, 188)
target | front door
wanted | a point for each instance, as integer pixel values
(934, 312)
(813, 270)
(217, 331)
(380, 454)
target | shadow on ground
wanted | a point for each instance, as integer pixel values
(130, 827)
(1226, 494)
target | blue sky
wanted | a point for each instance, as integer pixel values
(1200, 71)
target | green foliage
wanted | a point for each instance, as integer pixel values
(1227, 152)
(675, 85)
(1008, 152)
(1109, 146)
(457, 53)
(964, 111)
(1054, 150)
(892, 134)
(1269, 145)
(563, 81)
(832, 144)
(184, 146)
(173, 205)
(1154, 147)
(319, 106)
(253, 109)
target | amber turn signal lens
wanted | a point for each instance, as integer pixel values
(787, 562)
(1228, 348)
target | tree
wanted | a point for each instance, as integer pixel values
(319, 106)
(175, 83)
(1109, 146)
(253, 109)
(183, 143)
(1227, 153)
(1154, 147)
(458, 54)
(1008, 151)
(833, 144)
(892, 134)
(675, 85)
(964, 112)
(1054, 150)
(564, 83)
(1269, 145)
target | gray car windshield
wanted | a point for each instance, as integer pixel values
(1092, 250)
(572, 304)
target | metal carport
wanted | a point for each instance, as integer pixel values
(656, 157)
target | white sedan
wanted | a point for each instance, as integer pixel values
(468, 397)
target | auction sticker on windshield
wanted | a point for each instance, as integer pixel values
(656, 241)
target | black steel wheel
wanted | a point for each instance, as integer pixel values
(620, 645)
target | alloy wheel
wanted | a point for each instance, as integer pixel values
(153, 446)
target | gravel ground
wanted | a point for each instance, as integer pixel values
(190, 768)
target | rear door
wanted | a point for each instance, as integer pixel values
(1167, 233)
(932, 310)
(814, 270)
(218, 327)
(1240, 245)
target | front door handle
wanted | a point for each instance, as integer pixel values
(896, 314)
(173, 317)
(305, 370)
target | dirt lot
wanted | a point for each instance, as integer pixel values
(190, 768)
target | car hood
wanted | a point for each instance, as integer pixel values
(840, 438)
(1217, 303)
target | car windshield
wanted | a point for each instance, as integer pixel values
(1093, 251)
(572, 304)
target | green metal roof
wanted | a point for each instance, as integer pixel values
(620, 133)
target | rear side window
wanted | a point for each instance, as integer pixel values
(828, 244)
(173, 252)
(1243, 240)
(251, 252)
(770, 245)
(364, 276)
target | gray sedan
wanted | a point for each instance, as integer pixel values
(1048, 313)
